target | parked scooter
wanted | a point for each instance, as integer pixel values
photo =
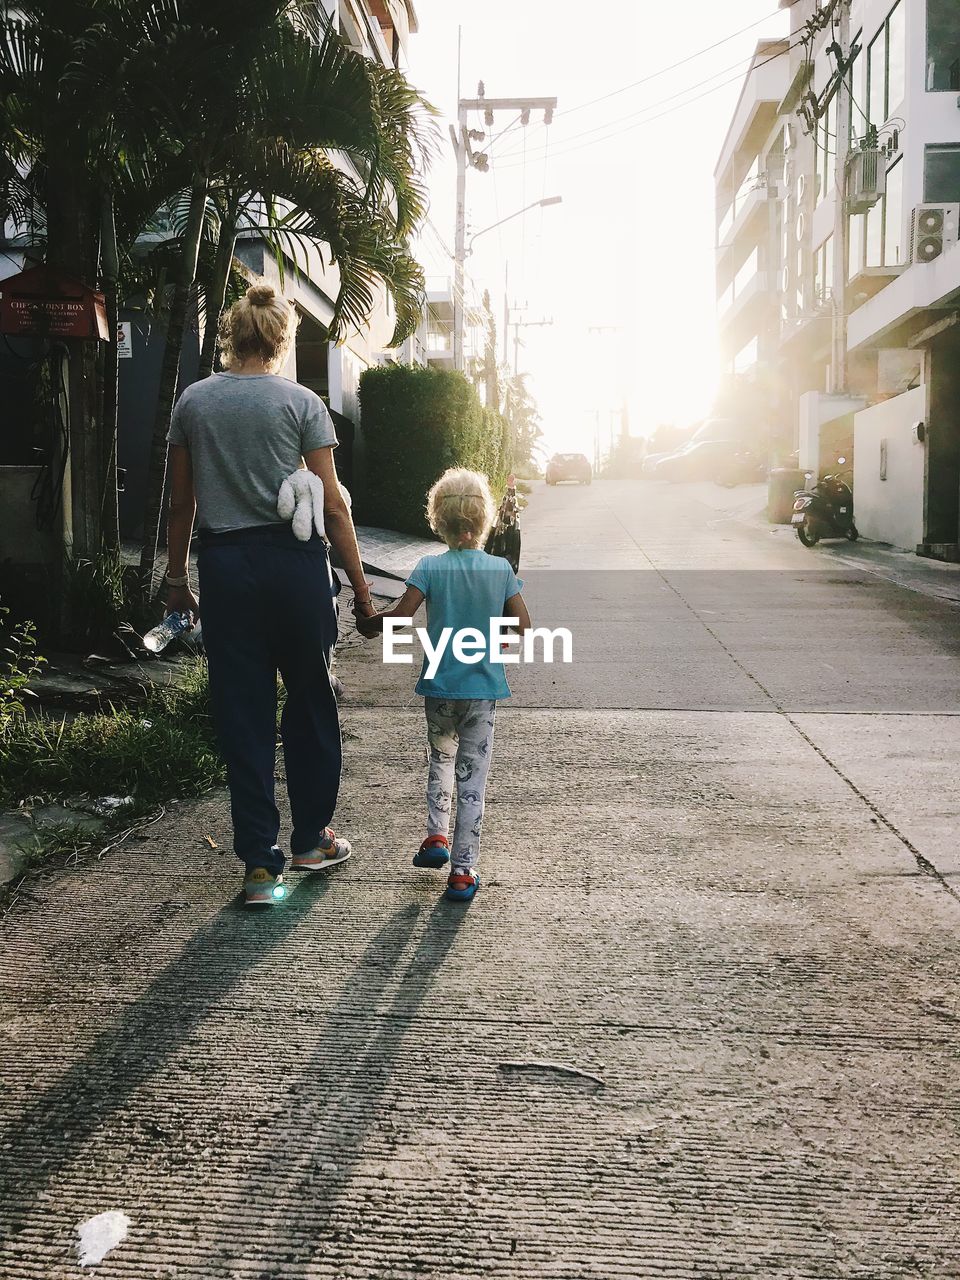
(826, 510)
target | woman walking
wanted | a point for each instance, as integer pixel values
(267, 599)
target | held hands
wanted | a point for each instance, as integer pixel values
(370, 625)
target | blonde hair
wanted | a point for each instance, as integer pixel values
(260, 325)
(460, 503)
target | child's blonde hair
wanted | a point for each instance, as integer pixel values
(261, 324)
(460, 503)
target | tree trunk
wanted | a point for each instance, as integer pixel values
(110, 271)
(86, 466)
(72, 236)
(169, 373)
(216, 294)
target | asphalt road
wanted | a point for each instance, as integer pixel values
(701, 1021)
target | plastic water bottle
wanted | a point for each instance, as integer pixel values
(173, 625)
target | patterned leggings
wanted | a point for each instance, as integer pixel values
(461, 744)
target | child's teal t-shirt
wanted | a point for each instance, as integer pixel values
(464, 589)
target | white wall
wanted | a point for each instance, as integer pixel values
(344, 369)
(890, 510)
(816, 410)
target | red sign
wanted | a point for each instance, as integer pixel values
(48, 304)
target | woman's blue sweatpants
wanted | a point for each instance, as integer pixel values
(267, 605)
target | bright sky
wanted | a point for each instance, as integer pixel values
(632, 244)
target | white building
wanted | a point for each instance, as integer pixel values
(776, 207)
(380, 30)
(432, 344)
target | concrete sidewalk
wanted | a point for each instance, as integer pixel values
(387, 551)
(700, 1022)
(747, 505)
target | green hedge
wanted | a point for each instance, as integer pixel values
(416, 423)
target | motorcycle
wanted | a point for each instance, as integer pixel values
(504, 537)
(825, 511)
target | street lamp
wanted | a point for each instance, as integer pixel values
(537, 204)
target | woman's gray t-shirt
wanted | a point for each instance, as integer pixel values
(246, 433)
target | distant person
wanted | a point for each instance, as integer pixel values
(463, 587)
(267, 598)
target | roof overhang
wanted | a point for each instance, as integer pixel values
(902, 307)
(760, 119)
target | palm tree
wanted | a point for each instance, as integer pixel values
(520, 410)
(51, 136)
(73, 77)
(115, 108)
(301, 104)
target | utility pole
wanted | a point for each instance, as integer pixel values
(838, 351)
(623, 410)
(506, 309)
(517, 326)
(462, 138)
(461, 145)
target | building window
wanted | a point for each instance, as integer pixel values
(943, 46)
(858, 82)
(801, 300)
(747, 356)
(886, 67)
(824, 154)
(855, 265)
(823, 273)
(747, 273)
(896, 58)
(893, 217)
(941, 175)
(876, 237)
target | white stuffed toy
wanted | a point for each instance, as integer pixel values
(301, 499)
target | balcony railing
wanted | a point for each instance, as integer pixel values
(753, 181)
(750, 279)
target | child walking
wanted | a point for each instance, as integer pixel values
(463, 588)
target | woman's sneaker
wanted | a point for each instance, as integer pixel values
(330, 852)
(434, 852)
(261, 888)
(462, 885)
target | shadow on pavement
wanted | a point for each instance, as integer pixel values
(337, 1120)
(122, 1059)
(148, 1033)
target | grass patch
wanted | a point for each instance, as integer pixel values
(164, 747)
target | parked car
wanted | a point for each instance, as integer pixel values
(698, 460)
(744, 466)
(649, 465)
(569, 466)
(715, 429)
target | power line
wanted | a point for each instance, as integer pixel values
(659, 116)
(655, 75)
(507, 129)
(642, 111)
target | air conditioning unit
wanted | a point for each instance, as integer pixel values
(866, 179)
(933, 228)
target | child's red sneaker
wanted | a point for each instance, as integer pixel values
(462, 885)
(434, 852)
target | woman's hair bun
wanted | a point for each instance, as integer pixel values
(261, 295)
